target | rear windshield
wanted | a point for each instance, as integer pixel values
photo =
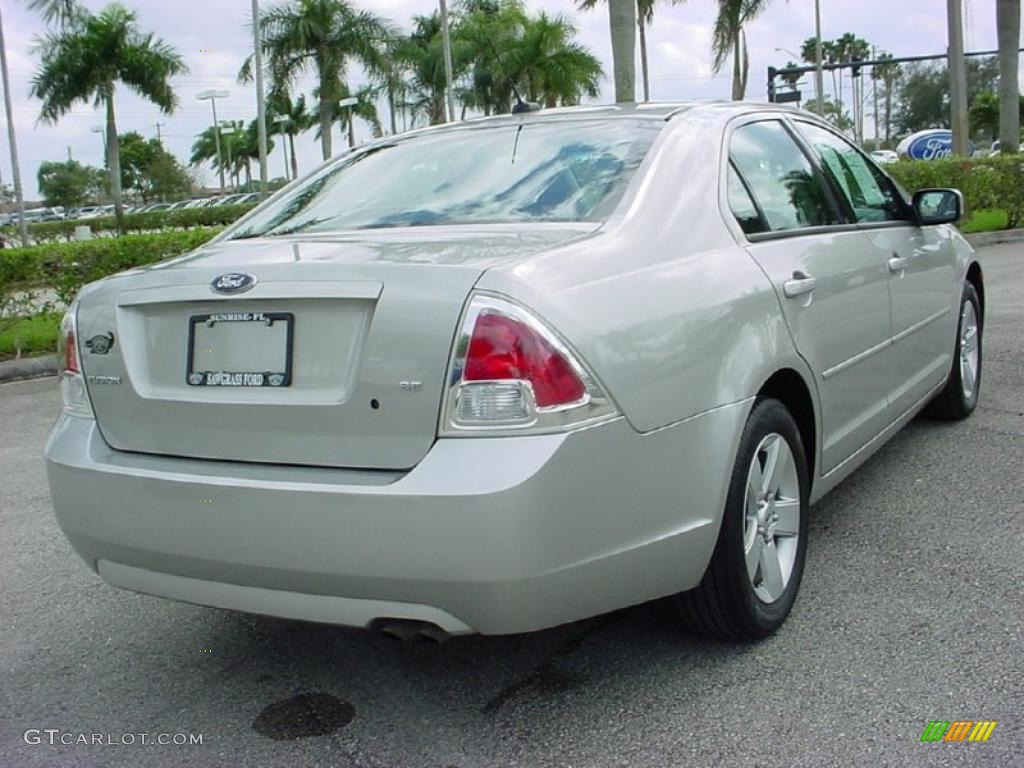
(564, 171)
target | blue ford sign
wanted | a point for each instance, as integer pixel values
(934, 144)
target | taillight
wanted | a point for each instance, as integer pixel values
(72, 384)
(510, 371)
(503, 348)
(70, 352)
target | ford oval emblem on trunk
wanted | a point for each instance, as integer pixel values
(233, 282)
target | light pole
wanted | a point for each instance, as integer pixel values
(15, 170)
(347, 103)
(957, 77)
(280, 121)
(102, 131)
(819, 72)
(261, 107)
(228, 133)
(446, 39)
(212, 96)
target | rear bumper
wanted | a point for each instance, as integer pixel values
(492, 535)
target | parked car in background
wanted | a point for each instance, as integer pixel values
(154, 207)
(44, 214)
(498, 375)
(885, 156)
(226, 200)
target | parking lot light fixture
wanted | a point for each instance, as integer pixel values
(212, 95)
(281, 121)
(228, 131)
(102, 131)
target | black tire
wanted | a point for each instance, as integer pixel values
(951, 404)
(725, 605)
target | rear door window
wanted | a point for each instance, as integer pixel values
(785, 185)
(742, 205)
(869, 192)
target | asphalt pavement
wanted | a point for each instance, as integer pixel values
(911, 610)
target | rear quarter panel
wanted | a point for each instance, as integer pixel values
(673, 316)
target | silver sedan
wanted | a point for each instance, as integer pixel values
(513, 372)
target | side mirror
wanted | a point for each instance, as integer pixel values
(938, 206)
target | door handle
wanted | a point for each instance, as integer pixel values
(799, 285)
(897, 264)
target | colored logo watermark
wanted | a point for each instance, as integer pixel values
(958, 730)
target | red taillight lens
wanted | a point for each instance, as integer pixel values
(503, 348)
(70, 353)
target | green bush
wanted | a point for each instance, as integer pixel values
(995, 183)
(184, 218)
(66, 267)
(28, 336)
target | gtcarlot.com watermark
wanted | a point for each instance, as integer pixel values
(56, 736)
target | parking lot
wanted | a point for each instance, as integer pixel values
(910, 611)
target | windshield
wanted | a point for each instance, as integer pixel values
(565, 171)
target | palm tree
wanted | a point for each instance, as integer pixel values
(245, 149)
(622, 24)
(841, 52)
(645, 16)
(326, 36)
(59, 11)
(364, 108)
(889, 73)
(1008, 22)
(420, 58)
(52, 10)
(858, 50)
(809, 55)
(204, 148)
(791, 78)
(486, 37)
(232, 144)
(502, 47)
(296, 120)
(549, 66)
(728, 39)
(86, 58)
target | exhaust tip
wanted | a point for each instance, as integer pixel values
(405, 630)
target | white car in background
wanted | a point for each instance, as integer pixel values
(885, 156)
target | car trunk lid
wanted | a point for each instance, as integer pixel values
(355, 330)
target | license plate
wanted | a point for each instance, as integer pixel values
(240, 349)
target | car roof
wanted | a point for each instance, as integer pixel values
(663, 111)
(657, 110)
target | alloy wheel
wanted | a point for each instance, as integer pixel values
(771, 528)
(969, 352)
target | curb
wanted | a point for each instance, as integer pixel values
(28, 368)
(982, 239)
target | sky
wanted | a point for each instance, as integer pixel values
(215, 36)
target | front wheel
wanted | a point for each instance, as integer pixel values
(959, 397)
(752, 580)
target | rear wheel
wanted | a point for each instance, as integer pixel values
(754, 574)
(959, 398)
